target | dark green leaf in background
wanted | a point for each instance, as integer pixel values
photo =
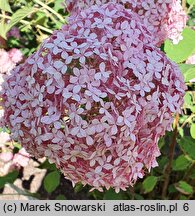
(9, 178)
(172, 188)
(184, 188)
(149, 183)
(51, 181)
(181, 163)
(112, 195)
(78, 187)
(192, 175)
(187, 144)
(139, 197)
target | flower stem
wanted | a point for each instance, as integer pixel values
(168, 169)
(184, 4)
(29, 23)
(187, 120)
(51, 10)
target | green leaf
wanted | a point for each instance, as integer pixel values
(4, 5)
(9, 178)
(184, 188)
(40, 18)
(192, 131)
(51, 181)
(181, 131)
(185, 48)
(162, 161)
(48, 166)
(187, 144)
(182, 197)
(183, 118)
(188, 99)
(149, 183)
(161, 143)
(15, 18)
(188, 71)
(20, 14)
(58, 5)
(4, 28)
(78, 187)
(138, 197)
(191, 2)
(192, 175)
(112, 195)
(181, 163)
(172, 188)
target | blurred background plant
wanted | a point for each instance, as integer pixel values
(23, 26)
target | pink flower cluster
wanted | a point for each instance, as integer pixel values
(165, 19)
(191, 60)
(8, 61)
(10, 161)
(95, 98)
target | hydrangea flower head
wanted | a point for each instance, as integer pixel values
(15, 55)
(165, 19)
(8, 61)
(95, 98)
(10, 161)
